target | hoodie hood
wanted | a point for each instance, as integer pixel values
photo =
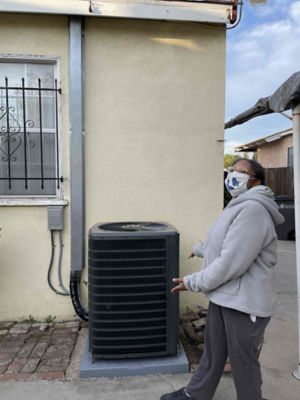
(263, 195)
(262, 189)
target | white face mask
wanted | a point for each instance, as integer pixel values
(236, 183)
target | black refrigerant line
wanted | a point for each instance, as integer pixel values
(75, 279)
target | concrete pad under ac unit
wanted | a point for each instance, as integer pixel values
(133, 367)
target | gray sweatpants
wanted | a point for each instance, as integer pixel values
(230, 333)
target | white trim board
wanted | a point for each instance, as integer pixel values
(32, 202)
(136, 9)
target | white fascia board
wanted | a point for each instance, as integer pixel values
(164, 10)
(137, 9)
(272, 138)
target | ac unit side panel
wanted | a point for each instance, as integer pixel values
(172, 300)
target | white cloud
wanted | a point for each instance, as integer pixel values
(273, 7)
(263, 57)
(229, 147)
(271, 31)
(295, 11)
(266, 12)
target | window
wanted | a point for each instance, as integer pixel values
(290, 157)
(29, 128)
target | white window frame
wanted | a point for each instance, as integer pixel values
(17, 200)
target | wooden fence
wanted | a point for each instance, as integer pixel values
(280, 180)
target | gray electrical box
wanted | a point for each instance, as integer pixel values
(55, 217)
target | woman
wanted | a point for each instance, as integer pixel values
(238, 278)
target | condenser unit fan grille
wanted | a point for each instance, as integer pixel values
(127, 297)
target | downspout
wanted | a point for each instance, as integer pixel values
(296, 145)
(77, 162)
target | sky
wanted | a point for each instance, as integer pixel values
(262, 52)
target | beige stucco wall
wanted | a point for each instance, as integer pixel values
(25, 240)
(274, 154)
(154, 113)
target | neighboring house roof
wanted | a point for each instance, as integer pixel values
(196, 11)
(253, 146)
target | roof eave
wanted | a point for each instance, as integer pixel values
(136, 9)
(245, 149)
(252, 146)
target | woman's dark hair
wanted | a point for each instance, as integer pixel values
(257, 168)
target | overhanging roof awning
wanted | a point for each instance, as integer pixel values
(200, 11)
(252, 146)
(287, 96)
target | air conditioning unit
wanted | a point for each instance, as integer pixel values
(132, 313)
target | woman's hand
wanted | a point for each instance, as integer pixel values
(180, 285)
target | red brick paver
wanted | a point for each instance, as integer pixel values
(16, 365)
(6, 359)
(16, 377)
(49, 376)
(38, 351)
(2, 368)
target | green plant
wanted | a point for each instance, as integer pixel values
(50, 319)
(189, 310)
(30, 320)
(229, 159)
(35, 335)
(6, 327)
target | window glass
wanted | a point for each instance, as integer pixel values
(28, 132)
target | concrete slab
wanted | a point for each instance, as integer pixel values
(133, 367)
(279, 356)
(149, 387)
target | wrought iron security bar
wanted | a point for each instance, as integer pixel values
(16, 129)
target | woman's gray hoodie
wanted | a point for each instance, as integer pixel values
(240, 254)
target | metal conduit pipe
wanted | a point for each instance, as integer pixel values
(77, 171)
(59, 264)
(64, 292)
